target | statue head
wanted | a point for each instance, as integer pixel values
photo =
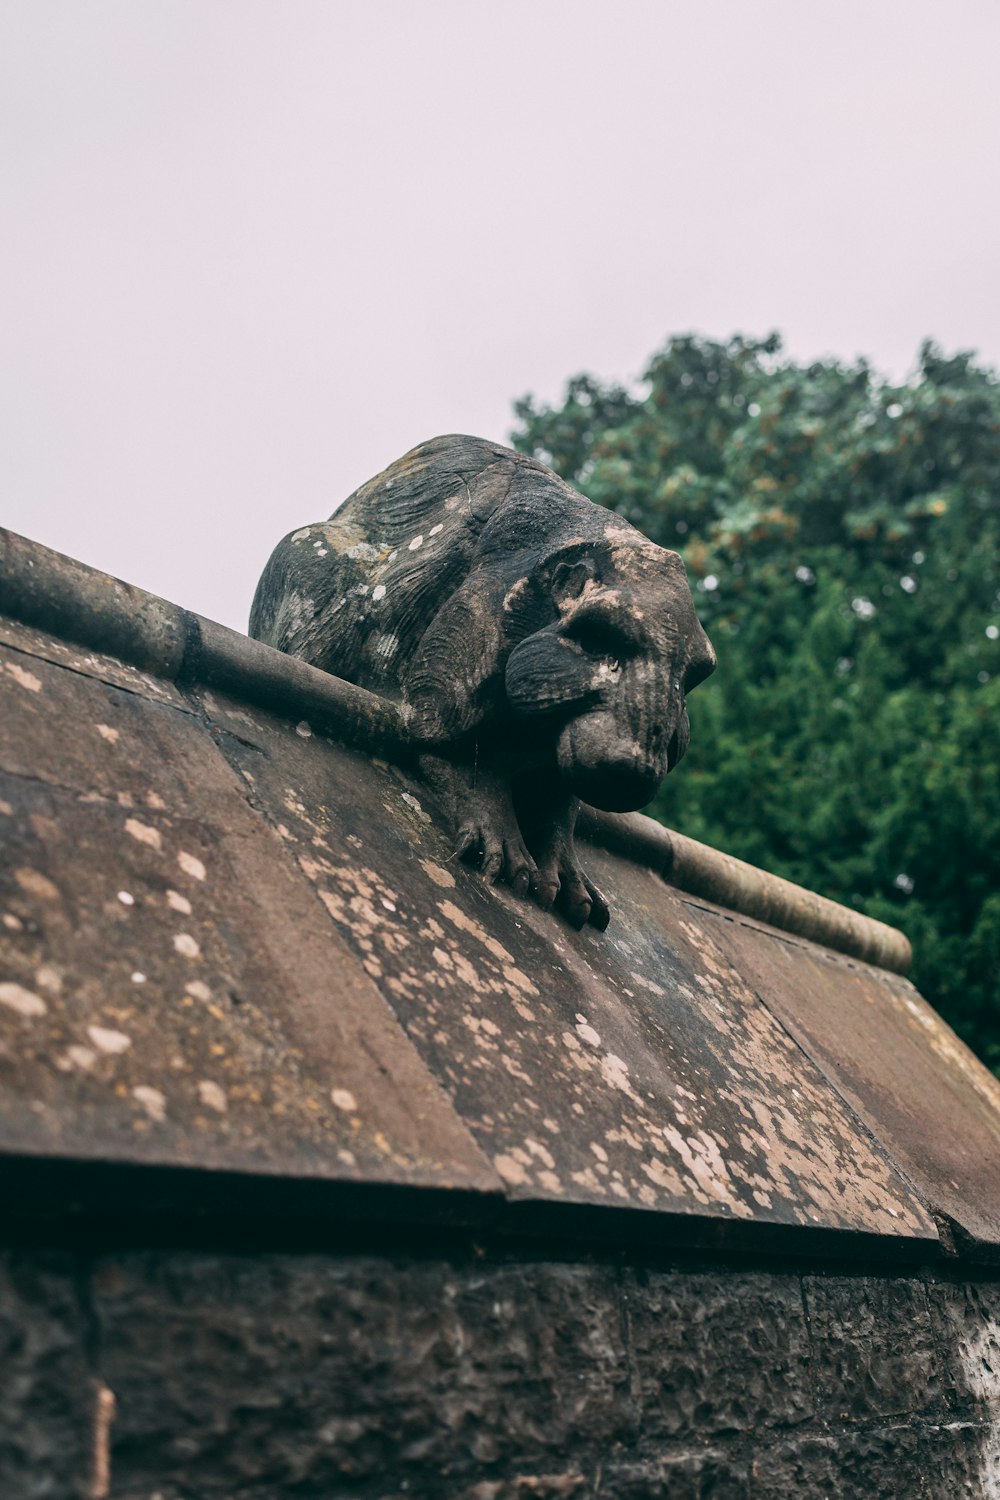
(612, 667)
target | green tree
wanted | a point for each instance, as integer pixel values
(843, 538)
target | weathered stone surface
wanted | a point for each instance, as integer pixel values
(56, 593)
(686, 1476)
(861, 1366)
(28, 640)
(632, 1069)
(899, 1462)
(965, 1319)
(898, 1065)
(638, 1071)
(316, 1373)
(46, 1390)
(477, 1374)
(878, 1464)
(148, 1014)
(75, 732)
(741, 1363)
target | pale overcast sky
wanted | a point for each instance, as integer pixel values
(256, 249)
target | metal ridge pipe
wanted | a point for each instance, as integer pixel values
(78, 603)
(81, 604)
(726, 881)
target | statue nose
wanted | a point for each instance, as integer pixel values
(619, 784)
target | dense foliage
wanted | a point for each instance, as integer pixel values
(843, 538)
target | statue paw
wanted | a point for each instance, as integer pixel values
(560, 883)
(498, 852)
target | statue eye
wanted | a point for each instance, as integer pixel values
(601, 639)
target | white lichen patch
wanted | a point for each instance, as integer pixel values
(49, 978)
(34, 883)
(345, 1100)
(510, 1170)
(703, 1159)
(412, 803)
(180, 903)
(81, 1057)
(107, 733)
(587, 1178)
(213, 1095)
(543, 1153)
(521, 982)
(300, 610)
(105, 1039)
(23, 677)
(186, 945)
(615, 1072)
(363, 552)
(464, 923)
(438, 874)
(515, 1070)
(385, 645)
(24, 1001)
(586, 1032)
(649, 984)
(191, 865)
(152, 1100)
(144, 833)
(418, 541)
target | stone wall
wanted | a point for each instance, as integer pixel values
(481, 1374)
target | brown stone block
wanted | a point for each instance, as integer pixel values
(717, 1354)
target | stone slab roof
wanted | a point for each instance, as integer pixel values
(239, 963)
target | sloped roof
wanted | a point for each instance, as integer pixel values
(237, 950)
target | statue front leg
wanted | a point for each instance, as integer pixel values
(547, 814)
(481, 814)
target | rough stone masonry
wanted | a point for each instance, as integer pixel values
(473, 1373)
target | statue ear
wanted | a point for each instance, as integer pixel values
(454, 681)
(570, 577)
